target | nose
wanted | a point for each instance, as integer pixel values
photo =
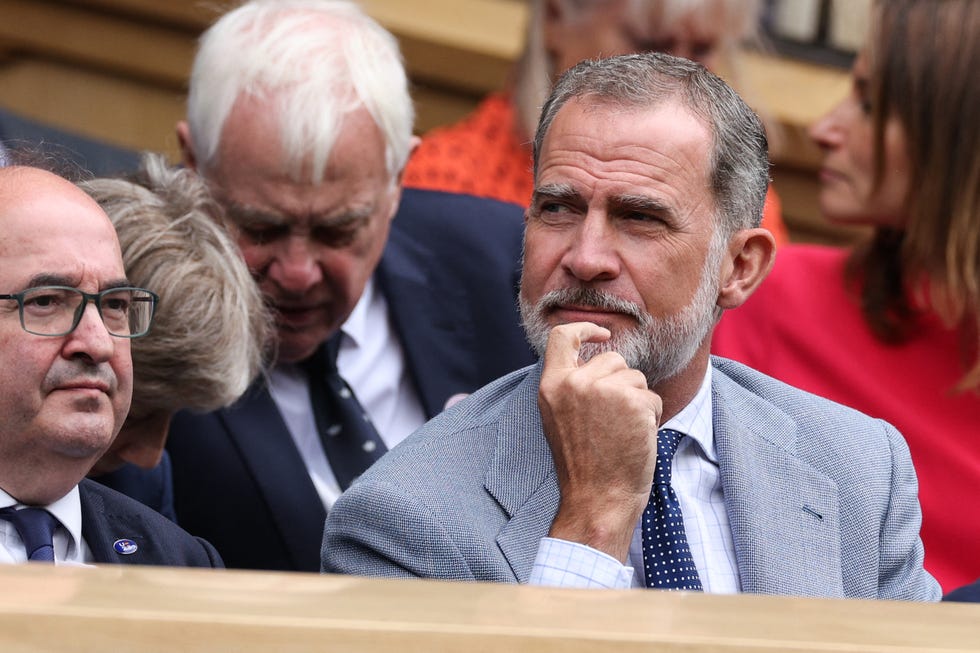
(828, 132)
(592, 254)
(295, 268)
(90, 339)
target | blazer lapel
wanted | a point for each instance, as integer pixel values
(784, 514)
(270, 454)
(431, 321)
(103, 530)
(521, 477)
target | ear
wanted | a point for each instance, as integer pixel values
(751, 253)
(397, 199)
(412, 146)
(187, 155)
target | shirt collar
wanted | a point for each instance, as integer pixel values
(356, 328)
(67, 510)
(695, 421)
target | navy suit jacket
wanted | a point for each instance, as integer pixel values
(108, 517)
(90, 155)
(449, 273)
(153, 488)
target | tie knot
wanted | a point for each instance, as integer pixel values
(36, 528)
(667, 442)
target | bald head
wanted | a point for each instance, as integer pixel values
(62, 398)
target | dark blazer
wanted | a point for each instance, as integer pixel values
(966, 594)
(109, 517)
(90, 155)
(449, 274)
(153, 488)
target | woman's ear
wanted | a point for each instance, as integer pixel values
(751, 253)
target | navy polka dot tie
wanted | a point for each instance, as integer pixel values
(349, 439)
(666, 556)
(35, 527)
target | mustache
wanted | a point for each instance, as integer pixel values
(593, 298)
(76, 372)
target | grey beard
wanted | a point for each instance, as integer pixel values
(658, 347)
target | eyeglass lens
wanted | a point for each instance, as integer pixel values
(49, 310)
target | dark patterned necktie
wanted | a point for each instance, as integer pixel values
(666, 556)
(349, 439)
(35, 527)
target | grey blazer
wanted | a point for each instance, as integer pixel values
(822, 499)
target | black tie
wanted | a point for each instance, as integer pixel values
(666, 555)
(35, 527)
(349, 438)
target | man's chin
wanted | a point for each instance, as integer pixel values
(295, 347)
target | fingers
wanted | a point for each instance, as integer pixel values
(565, 341)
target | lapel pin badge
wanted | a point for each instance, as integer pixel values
(125, 547)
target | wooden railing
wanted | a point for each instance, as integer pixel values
(149, 609)
(117, 70)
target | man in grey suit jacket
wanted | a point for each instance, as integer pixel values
(650, 176)
(67, 314)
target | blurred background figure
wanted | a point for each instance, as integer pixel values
(488, 153)
(88, 156)
(209, 335)
(892, 327)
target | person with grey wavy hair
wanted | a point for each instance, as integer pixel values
(211, 331)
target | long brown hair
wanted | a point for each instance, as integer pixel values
(924, 59)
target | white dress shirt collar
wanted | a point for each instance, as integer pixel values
(695, 421)
(68, 544)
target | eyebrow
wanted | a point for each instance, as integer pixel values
(640, 203)
(621, 203)
(563, 192)
(48, 279)
(244, 215)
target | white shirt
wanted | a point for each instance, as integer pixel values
(372, 362)
(69, 547)
(697, 483)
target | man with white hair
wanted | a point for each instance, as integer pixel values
(299, 118)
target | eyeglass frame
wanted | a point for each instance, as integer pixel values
(95, 298)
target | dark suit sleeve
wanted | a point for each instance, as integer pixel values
(154, 488)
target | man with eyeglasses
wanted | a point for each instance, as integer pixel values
(67, 314)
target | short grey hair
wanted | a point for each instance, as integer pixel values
(316, 61)
(211, 330)
(739, 165)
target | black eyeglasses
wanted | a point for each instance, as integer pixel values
(57, 310)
